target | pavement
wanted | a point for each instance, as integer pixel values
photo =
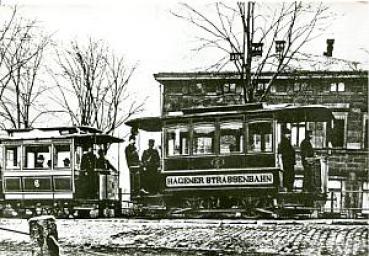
(198, 237)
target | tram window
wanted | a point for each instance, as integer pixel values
(203, 139)
(61, 155)
(231, 137)
(13, 157)
(260, 137)
(177, 140)
(297, 133)
(318, 134)
(77, 156)
(37, 156)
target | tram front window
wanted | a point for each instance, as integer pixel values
(231, 137)
(260, 137)
(177, 139)
(61, 155)
(13, 157)
(203, 139)
(37, 156)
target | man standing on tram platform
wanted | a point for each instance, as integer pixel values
(131, 152)
(287, 159)
(88, 164)
(151, 163)
(133, 163)
(307, 152)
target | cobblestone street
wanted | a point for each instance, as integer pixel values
(199, 237)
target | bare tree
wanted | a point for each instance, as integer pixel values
(96, 79)
(22, 47)
(273, 36)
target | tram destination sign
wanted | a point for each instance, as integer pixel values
(220, 180)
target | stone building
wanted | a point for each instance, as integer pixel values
(345, 143)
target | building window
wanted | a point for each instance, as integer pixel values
(231, 137)
(61, 155)
(197, 89)
(177, 140)
(339, 130)
(337, 87)
(229, 88)
(13, 157)
(203, 139)
(260, 88)
(37, 156)
(260, 137)
(299, 87)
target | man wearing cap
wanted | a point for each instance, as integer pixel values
(90, 180)
(151, 163)
(306, 152)
(131, 152)
(287, 158)
(133, 162)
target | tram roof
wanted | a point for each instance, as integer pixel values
(61, 129)
(282, 113)
(83, 134)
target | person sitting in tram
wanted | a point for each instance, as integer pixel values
(66, 162)
(151, 163)
(287, 159)
(40, 161)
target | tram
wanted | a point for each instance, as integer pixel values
(42, 173)
(223, 161)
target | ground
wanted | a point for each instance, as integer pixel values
(197, 237)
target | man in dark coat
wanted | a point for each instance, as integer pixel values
(133, 162)
(287, 153)
(90, 179)
(103, 163)
(306, 152)
(131, 153)
(151, 163)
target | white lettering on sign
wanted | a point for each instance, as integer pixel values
(220, 180)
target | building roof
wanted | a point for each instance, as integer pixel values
(228, 75)
(301, 65)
